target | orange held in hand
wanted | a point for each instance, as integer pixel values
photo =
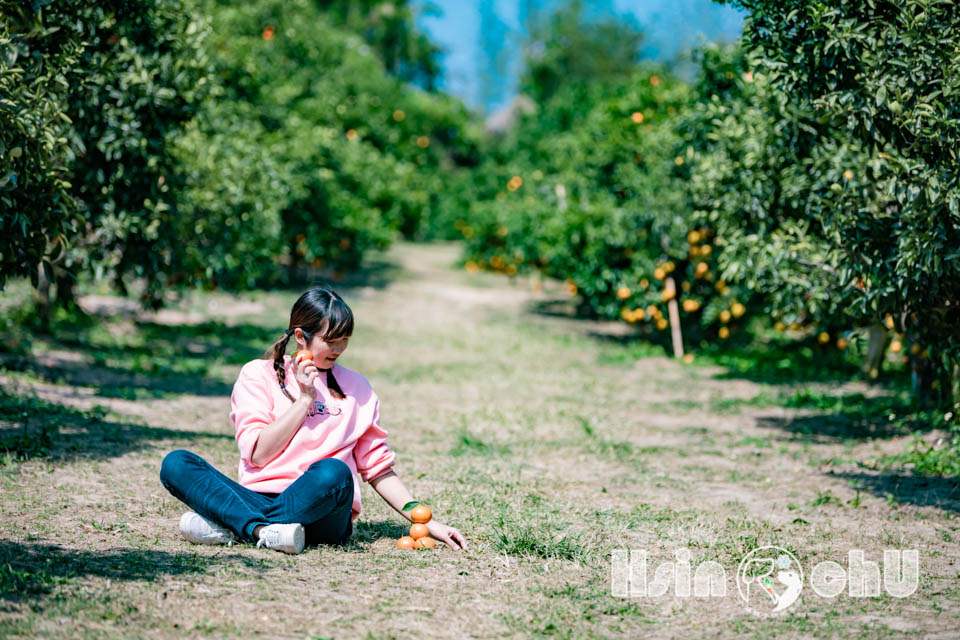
(304, 355)
(406, 542)
(418, 531)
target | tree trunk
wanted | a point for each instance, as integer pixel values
(41, 295)
(674, 312)
(921, 377)
(879, 339)
(65, 280)
(953, 390)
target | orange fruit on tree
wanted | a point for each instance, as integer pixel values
(418, 530)
(406, 542)
(421, 514)
(426, 543)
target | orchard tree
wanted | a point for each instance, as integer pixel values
(145, 76)
(881, 201)
(98, 91)
(38, 64)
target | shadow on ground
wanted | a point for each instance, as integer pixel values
(924, 491)
(827, 427)
(34, 428)
(30, 570)
(366, 533)
(847, 416)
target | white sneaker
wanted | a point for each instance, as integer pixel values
(198, 529)
(288, 538)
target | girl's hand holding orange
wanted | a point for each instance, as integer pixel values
(306, 373)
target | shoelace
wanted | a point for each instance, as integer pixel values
(268, 537)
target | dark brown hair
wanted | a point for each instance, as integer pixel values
(318, 312)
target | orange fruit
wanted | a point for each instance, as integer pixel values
(305, 354)
(406, 542)
(421, 514)
(426, 543)
(418, 530)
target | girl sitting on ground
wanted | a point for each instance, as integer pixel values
(303, 439)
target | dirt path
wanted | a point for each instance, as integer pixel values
(530, 432)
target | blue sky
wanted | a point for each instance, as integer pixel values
(670, 26)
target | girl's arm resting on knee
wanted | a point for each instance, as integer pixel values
(273, 439)
(393, 491)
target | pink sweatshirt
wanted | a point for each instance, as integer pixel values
(354, 436)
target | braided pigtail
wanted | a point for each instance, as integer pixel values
(276, 354)
(334, 386)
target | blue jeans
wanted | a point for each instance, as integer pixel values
(321, 499)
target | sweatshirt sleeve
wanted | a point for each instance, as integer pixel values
(251, 410)
(373, 456)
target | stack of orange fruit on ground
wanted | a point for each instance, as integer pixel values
(419, 537)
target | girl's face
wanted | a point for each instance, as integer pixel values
(324, 353)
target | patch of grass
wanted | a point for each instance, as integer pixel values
(941, 458)
(32, 428)
(627, 354)
(620, 450)
(825, 497)
(728, 406)
(766, 356)
(537, 540)
(466, 443)
(30, 424)
(753, 441)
